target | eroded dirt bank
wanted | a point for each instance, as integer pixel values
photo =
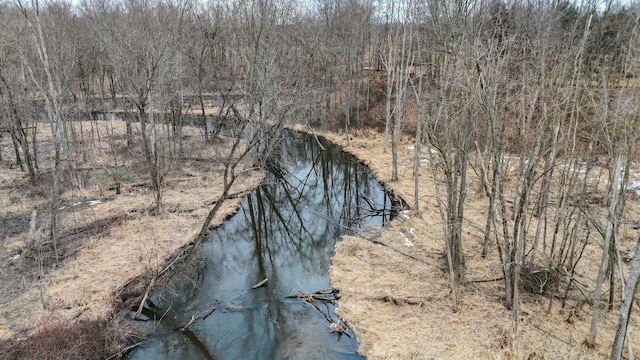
(397, 298)
(107, 239)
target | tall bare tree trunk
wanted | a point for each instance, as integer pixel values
(604, 262)
(625, 308)
(51, 90)
(417, 151)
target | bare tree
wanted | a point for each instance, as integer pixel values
(269, 72)
(14, 118)
(47, 72)
(625, 308)
(142, 40)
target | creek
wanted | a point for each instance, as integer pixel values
(285, 231)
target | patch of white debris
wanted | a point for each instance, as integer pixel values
(407, 242)
(88, 202)
(634, 185)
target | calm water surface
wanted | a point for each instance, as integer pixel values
(285, 231)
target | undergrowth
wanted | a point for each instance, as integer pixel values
(58, 339)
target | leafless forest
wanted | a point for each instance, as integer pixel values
(538, 99)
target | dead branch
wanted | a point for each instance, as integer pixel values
(122, 352)
(409, 300)
(328, 295)
(315, 136)
(77, 314)
(203, 315)
(369, 201)
(208, 312)
(235, 195)
(193, 319)
(260, 284)
(325, 296)
(144, 299)
(486, 280)
(233, 308)
(339, 327)
(175, 259)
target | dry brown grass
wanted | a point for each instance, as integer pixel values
(106, 239)
(56, 339)
(400, 308)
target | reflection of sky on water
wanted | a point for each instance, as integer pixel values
(284, 231)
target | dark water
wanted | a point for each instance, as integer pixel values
(285, 231)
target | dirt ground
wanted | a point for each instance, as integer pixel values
(107, 239)
(397, 297)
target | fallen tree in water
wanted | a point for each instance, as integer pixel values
(325, 297)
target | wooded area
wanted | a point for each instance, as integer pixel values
(539, 100)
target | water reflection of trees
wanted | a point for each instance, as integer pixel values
(298, 217)
(285, 231)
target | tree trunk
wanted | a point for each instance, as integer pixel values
(16, 150)
(604, 263)
(416, 166)
(395, 134)
(127, 120)
(18, 134)
(457, 215)
(625, 308)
